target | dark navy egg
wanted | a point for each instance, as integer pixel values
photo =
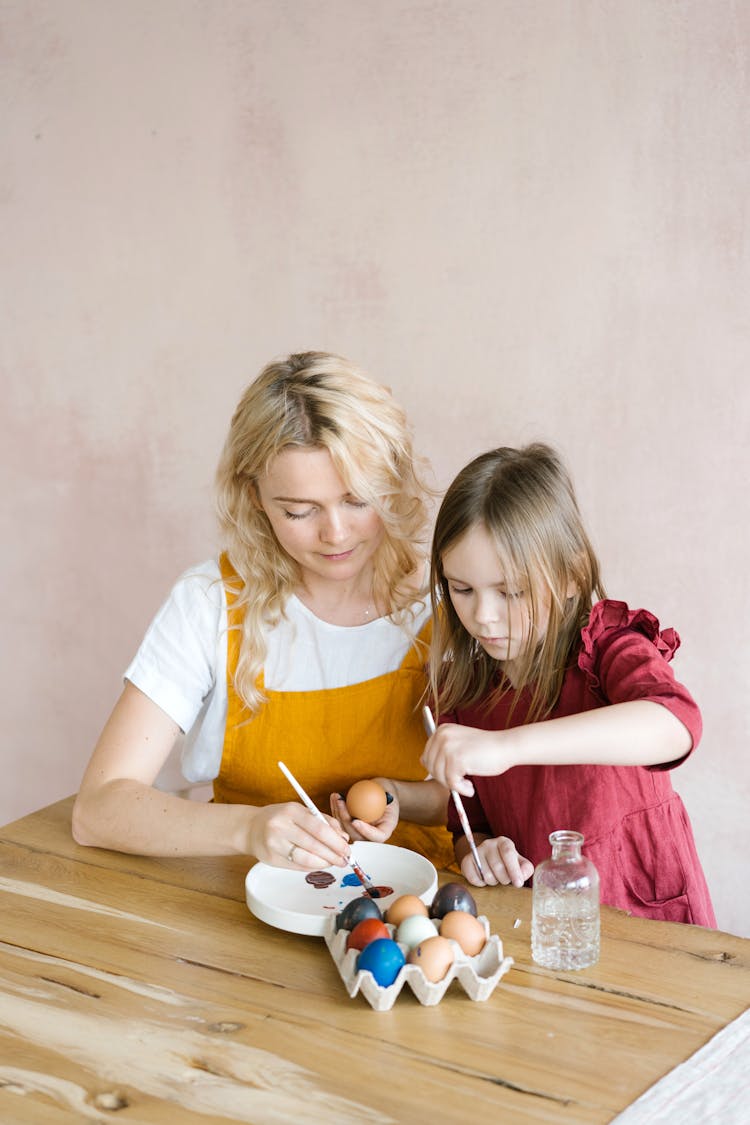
(453, 896)
(355, 911)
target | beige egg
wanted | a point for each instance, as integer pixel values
(434, 956)
(464, 928)
(403, 907)
(366, 800)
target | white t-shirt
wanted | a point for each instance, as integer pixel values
(182, 662)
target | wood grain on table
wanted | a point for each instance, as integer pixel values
(143, 990)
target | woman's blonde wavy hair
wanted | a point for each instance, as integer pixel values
(524, 498)
(316, 400)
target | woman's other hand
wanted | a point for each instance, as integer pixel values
(376, 833)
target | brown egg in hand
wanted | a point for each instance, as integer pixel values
(366, 800)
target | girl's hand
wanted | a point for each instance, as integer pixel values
(454, 751)
(289, 835)
(378, 832)
(501, 862)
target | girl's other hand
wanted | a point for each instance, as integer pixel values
(376, 833)
(454, 751)
(289, 835)
(501, 862)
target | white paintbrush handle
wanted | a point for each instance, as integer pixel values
(430, 725)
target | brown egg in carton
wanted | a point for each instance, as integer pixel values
(477, 975)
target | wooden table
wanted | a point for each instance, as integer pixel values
(143, 990)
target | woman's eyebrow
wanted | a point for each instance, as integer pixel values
(308, 499)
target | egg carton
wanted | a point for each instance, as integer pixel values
(477, 975)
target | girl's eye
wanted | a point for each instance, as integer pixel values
(460, 589)
(296, 515)
(513, 595)
(357, 503)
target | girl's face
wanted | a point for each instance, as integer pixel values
(493, 608)
(329, 532)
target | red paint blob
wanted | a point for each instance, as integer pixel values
(381, 892)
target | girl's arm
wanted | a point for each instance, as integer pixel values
(117, 806)
(637, 733)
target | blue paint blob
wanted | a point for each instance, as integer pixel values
(350, 881)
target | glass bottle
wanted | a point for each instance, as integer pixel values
(565, 910)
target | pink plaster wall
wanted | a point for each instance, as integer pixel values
(529, 219)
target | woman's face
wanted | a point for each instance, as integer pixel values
(329, 532)
(494, 608)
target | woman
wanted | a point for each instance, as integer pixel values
(306, 642)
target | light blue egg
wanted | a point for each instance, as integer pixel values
(414, 929)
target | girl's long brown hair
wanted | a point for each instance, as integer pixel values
(524, 498)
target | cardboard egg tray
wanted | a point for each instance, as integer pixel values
(477, 975)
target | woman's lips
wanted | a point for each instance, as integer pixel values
(339, 555)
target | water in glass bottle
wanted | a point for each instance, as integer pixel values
(565, 910)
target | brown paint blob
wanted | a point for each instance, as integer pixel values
(320, 879)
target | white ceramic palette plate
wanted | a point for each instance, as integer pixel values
(286, 900)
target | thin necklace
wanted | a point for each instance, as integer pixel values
(369, 613)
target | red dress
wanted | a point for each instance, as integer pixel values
(635, 826)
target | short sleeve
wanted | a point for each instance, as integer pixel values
(625, 656)
(177, 663)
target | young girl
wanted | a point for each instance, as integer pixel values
(561, 708)
(305, 641)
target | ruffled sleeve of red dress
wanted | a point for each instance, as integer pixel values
(625, 656)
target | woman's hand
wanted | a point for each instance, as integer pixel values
(289, 835)
(501, 862)
(454, 751)
(378, 832)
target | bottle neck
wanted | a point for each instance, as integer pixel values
(566, 845)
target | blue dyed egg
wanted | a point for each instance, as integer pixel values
(355, 911)
(384, 959)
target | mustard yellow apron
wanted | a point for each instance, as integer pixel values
(328, 738)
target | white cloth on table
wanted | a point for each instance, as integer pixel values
(712, 1086)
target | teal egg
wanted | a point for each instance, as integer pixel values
(384, 959)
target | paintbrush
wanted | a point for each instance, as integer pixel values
(370, 889)
(429, 723)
